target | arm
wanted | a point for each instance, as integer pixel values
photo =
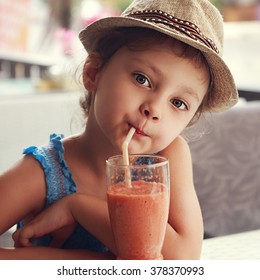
(47, 253)
(22, 192)
(22, 195)
(90, 212)
(184, 232)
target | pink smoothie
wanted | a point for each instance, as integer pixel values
(138, 218)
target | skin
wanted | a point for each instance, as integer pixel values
(153, 90)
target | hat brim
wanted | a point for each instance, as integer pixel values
(224, 90)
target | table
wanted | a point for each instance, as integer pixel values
(6, 239)
(239, 246)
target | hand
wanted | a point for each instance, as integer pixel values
(57, 220)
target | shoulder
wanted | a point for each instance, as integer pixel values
(22, 190)
(26, 173)
(179, 156)
(178, 150)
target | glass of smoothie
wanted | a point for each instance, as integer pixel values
(138, 204)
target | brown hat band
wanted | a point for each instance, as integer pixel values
(182, 26)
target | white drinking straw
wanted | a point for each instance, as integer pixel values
(126, 156)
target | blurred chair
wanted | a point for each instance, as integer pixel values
(226, 162)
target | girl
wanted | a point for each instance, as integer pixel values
(156, 68)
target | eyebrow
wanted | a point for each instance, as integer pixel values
(192, 93)
(156, 70)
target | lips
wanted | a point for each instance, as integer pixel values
(138, 131)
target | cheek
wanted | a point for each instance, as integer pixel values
(109, 105)
(117, 102)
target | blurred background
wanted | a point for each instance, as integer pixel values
(39, 38)
(39, 44)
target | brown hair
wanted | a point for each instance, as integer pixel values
(137, 38)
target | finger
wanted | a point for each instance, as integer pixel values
(22, 241)
(22, 237)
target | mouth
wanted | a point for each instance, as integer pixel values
(138, 131)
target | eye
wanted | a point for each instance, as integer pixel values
(142, 79)
(179, 104)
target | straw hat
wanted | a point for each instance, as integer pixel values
(195, 22)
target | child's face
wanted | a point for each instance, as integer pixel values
(155, 91)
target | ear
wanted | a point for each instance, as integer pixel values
(91, 69)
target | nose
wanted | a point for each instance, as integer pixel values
(151, 111)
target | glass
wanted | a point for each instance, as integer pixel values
(138, 211)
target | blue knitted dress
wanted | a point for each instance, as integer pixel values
(59, 184)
